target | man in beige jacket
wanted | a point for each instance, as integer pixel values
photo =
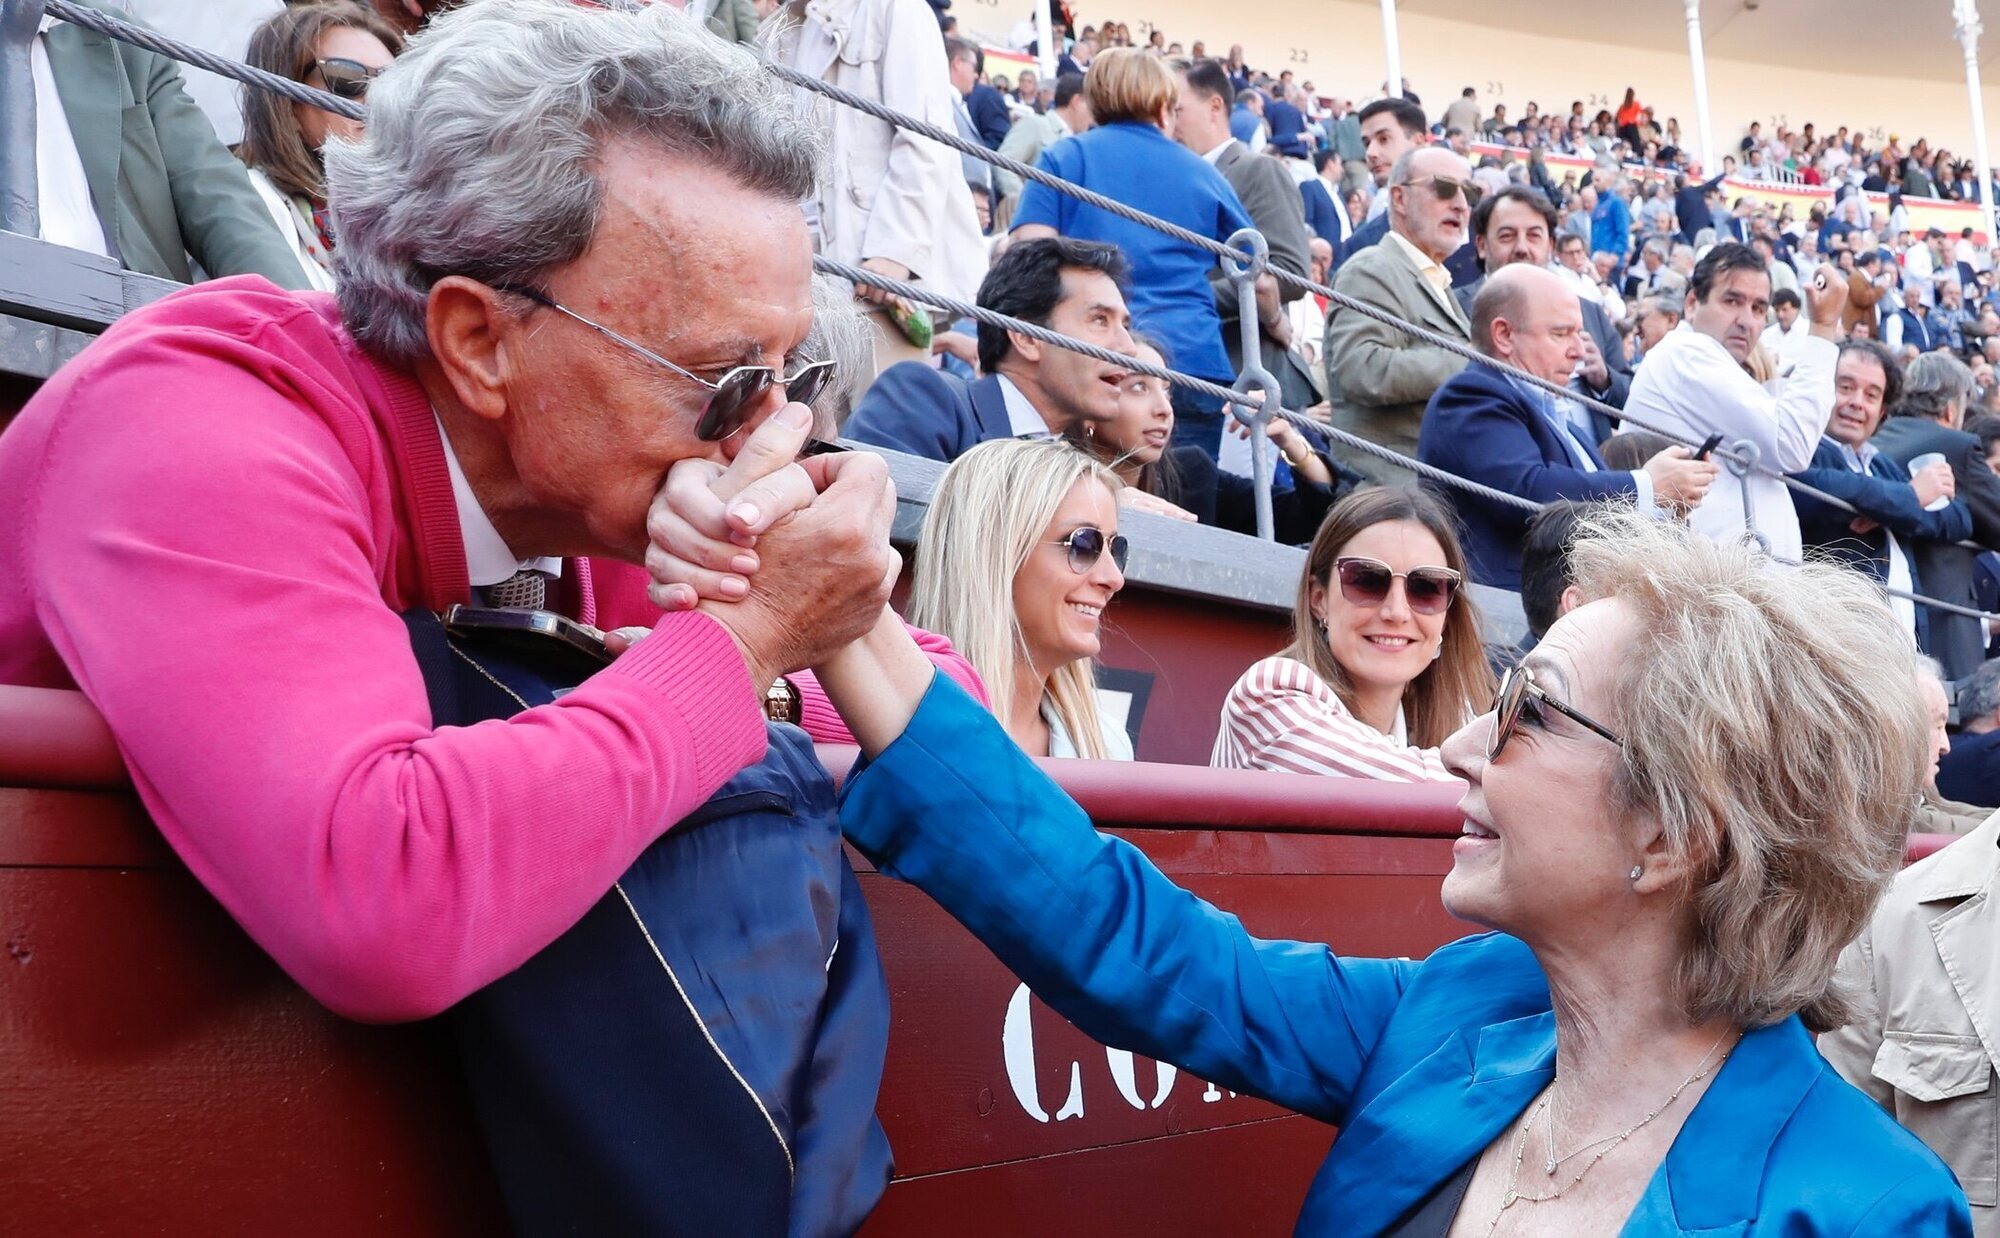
(1927, 970)
(889, 202)
(1379, 378)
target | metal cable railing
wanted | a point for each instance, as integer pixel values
(113, 27)
(963, 309)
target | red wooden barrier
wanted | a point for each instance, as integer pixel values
(158, 1074)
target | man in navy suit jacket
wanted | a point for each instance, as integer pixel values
(1846, 465)
(1494, 429)
(1288, 124)
(988, 110)
(1324, 213)
(1030, 389)
(1518, 224)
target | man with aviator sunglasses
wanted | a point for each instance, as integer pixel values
(536, 323)
(1380, 377)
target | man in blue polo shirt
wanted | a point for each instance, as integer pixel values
(1130, 158)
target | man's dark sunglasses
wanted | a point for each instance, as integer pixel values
(731, 398)
(1448, 187)
(1366, 582)
(1520, 696)
(347, 78)
(1086, 546)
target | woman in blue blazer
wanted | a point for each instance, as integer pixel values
(1677, 815)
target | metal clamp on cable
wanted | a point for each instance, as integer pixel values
(1744, 457)
(1251, 374)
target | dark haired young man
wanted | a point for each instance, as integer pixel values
(1030, 389)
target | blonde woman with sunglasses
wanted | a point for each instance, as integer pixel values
(1386, 658)
(1019, 558)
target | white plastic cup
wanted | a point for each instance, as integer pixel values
(1918, 465)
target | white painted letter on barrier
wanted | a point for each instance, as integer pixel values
(1122, 1074)
(1017, 1046)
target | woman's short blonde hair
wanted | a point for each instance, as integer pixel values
(1127, 83)
(1773, 729)
(987, 514)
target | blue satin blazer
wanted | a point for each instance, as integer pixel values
(1421, 1063)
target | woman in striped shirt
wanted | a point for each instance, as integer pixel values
(1385, 660)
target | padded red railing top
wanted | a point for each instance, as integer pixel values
(56, 738)
(50, 737)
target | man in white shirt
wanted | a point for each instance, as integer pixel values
(1693, 385)
(1920, 260)
(1786, 307)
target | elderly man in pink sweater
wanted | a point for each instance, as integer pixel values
(218, 511)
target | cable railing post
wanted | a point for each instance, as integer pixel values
(1251, 374)
(1744, 457)
(20, 192)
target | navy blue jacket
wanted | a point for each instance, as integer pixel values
(920, 411)
(1971, 770)
(1322, 213)
(1288, 128)
(1886, 497)
(1480, 425)
(989, 114)
(1617, 365)
(1463, 265)
(1916, 331)
(1421, 1063)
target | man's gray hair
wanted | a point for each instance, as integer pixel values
(1932, 383)
(1979, 696)
(483, 142)
(1655, 246)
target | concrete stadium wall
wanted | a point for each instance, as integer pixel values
(1338, 47)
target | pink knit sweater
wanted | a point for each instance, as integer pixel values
(213, 515)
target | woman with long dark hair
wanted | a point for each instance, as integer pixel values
(336, 46)
(1386, 658)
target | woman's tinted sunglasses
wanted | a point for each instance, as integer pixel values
(731, 397)
(1086, 545)
(1521, 697)
(347, 78)
(1366, 582)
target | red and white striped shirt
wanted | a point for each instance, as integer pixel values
(1281, 716)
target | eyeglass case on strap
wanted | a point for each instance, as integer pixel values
(700, 1054)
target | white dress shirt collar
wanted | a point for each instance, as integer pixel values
(1024, 420)
(1211, 157)
(488, 561)
(1428, 267)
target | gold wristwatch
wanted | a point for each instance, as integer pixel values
(781, 702)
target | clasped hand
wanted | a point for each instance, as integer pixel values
(790, 555)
